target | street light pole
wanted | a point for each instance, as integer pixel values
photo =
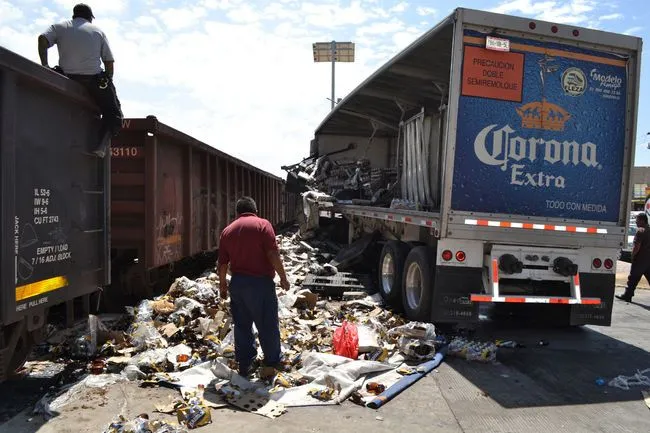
(333, 52)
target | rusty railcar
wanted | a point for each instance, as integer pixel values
(55, 199)
(171, 197)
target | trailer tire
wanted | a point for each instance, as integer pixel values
(390, 271)
(419, 273)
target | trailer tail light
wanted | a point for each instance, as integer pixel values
(460, 256)
(447, 255)
(609, 264)
(554, 29)
(532, 25)
(597, 263)
(576, 32)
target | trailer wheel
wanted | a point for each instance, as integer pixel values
(391, 268)
(418, 283)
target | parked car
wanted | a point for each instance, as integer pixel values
(626, 253)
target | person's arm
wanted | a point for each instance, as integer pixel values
(43, 45)
(273, 254)
(107, 58)
(45, 41)
(276, 262)
(222, 265)
(637, 243)
(223, 282)
(109, 69)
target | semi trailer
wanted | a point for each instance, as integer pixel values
(511, 142)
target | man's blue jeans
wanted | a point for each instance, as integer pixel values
(253, 300)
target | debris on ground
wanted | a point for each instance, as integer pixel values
(641, 378)
(473, 350)
(334, 348)
(142, 424)
(509, 344)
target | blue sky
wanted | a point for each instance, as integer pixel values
(239, 74)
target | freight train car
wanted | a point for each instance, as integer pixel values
(171, 197)
(54, 201)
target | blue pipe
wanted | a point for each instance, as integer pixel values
(407, 381)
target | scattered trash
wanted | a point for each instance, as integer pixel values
(600, 381)
(255, 403)
(508, 344)
(183, 340)
(625, 382)
(375, 388)
(473, 350)
(142, 424)
(406, 381)
(322, 394)
(346, 340)
(51, 403)
(543, 343)
(194, 414)
(417, 340)
(406, 371)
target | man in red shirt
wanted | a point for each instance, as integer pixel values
(248, 245)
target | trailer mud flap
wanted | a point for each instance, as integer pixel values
(453, 286)
(595, 286)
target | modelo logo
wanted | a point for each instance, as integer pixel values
(506, 146)
(608, 81)
(574, 82)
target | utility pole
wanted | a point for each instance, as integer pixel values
(333, 52)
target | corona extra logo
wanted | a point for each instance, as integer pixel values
(543, 115)
(502, 146)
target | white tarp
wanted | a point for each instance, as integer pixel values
(336, 370)
(321, 368)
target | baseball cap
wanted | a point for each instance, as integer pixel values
(82, 10)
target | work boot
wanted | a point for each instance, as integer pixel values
(103, 145)
(625, 297)
(270, 370)
(249, 371)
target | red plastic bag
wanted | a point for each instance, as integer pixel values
(346, 340)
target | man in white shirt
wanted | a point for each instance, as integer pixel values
(82, 48)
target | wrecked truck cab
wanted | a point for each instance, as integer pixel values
(495, 139)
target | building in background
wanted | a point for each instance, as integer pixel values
(640, 187)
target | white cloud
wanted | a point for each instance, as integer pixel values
(403, 39)
(399, 7)
(111, 7)
(380, 28)
(633, 30)
(179, 18)
(563, 12)
(609, 17)
(146, 21)
(9, 12)
(331, 14)
(244, 15)
(423, 11)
